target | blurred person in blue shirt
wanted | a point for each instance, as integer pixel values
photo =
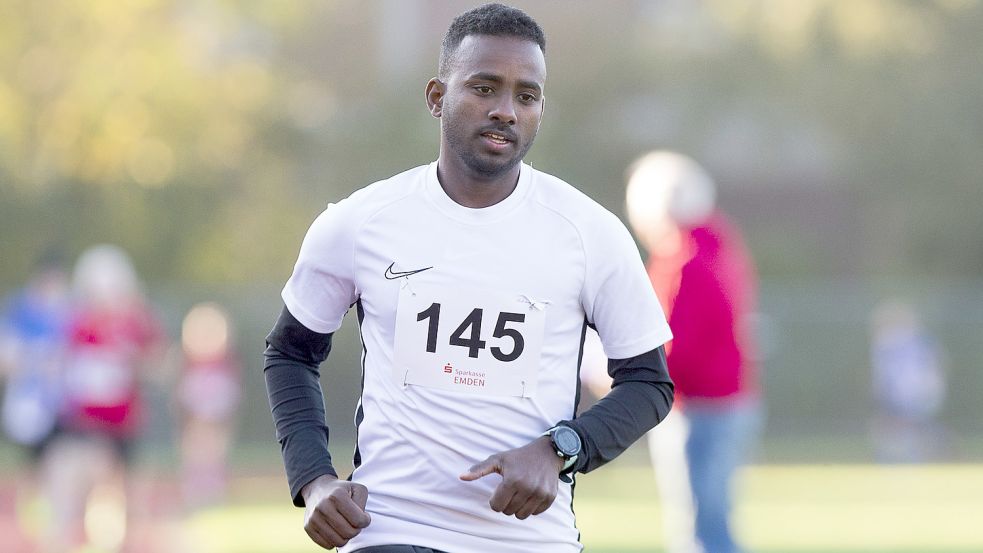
(908, 386)
(33, 324)
(32, 339)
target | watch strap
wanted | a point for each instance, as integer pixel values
(568, 464)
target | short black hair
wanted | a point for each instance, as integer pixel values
(492, 20)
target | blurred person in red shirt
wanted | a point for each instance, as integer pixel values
(208, 395)
(702, 272)
(112, 337)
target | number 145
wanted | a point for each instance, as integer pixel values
(468, 333)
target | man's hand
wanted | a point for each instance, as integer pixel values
(530, 478)
(335, 510)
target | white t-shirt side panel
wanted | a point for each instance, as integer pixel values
(617, 296)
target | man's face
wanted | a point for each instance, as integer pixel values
(493, 102)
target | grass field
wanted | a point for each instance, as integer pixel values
(785, 509)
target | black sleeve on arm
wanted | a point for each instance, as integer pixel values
(640, 398)
(293, 354)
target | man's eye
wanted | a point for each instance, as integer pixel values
(527, 98)
(483, 89)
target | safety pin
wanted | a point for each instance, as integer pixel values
(538, 305)
(406, 284)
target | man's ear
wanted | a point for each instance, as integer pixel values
(435, 96)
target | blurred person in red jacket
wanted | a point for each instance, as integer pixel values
(704, 275)
(112, 338)
(208, 396)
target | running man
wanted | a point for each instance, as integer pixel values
(474, 279)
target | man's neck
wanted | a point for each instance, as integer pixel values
(474, 191)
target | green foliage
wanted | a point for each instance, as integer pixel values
(205, 137)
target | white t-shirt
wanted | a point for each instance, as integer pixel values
(472, 322)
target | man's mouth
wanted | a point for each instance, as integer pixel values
(497, 138)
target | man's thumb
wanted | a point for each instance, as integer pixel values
(359, 493)
(480, 470)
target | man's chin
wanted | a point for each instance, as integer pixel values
(489, 168)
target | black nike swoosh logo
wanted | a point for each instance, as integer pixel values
(393, 275)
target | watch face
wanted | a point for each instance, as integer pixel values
(567, 441)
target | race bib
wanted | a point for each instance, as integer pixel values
(468, 341)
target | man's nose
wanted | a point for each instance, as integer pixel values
(503, 111)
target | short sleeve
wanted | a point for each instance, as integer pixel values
(618, 298)
(322, 286)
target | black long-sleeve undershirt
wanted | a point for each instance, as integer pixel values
(293, 355)
(641, 396)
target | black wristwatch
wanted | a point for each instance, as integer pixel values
(566, 444)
